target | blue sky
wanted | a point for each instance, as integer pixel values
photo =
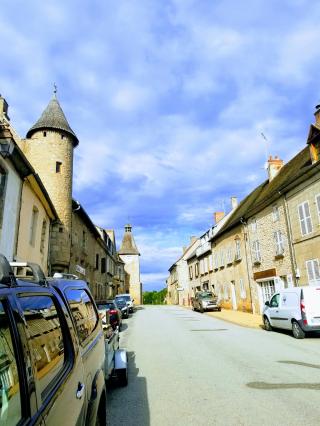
(168, 100)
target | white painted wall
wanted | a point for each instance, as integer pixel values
(11, 211)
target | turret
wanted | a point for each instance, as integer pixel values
(49, 147)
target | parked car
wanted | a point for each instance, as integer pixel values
(52, 350)
(296, 309)
(116, 358)
(205, 301)
(114, 313)
(122, 305)
(128, 299)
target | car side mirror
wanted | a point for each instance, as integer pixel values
(267, 303)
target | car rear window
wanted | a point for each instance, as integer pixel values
(106, 306)
(83, 312)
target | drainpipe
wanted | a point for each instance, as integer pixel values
(16, 237)
(246, 236)
(290, 242)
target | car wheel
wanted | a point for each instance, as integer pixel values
(201, 309)
(267, 325)
(122, 376)
(297, 331)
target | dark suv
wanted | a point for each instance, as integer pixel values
(51, 351)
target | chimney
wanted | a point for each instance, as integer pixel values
(217, 216)
(317, 116)
(274, 165)
(234, 202)
(193, 239)
(3, 109)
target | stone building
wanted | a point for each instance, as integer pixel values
(26, 210)
(130, 255)
(76, 245)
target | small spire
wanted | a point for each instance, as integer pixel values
(55, 89)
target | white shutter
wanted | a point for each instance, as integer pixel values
(313, 271)
(318, 203)
(242, 289)
(305, 218)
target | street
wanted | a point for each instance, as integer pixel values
(186, 368)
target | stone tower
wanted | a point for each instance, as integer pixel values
(49, 148)
(129, 254)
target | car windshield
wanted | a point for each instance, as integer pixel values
(106, 306)
(206, 295)
(123, 299)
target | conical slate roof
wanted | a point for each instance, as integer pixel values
(128, 245)
(53, 118)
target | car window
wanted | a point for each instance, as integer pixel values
(46, 339)
(274, 302)
(10, 402)
(83, 312)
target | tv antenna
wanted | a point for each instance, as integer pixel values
(266, 141)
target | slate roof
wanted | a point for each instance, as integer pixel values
(53, 118)
(268, 192)
(128, 245)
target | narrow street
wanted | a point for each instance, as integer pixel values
(191, 369)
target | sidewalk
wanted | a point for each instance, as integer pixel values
(242, 318)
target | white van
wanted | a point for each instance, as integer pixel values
(296, 309)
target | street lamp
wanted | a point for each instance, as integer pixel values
(6, 147)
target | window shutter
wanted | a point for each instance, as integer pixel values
(302, 219)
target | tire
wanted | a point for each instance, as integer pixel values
(101, 418)
(266, 323)
(297, 331)
(201, 309)
(122, 376)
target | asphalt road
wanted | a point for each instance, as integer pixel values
(186, 368)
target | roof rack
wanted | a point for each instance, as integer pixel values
(6, 274)
(38, 275)
(60, 275)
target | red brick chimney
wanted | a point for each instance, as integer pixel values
(274, 165)
(217, 216)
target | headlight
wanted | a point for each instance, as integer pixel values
(205, 303)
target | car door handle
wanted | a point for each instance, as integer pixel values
(80, 390)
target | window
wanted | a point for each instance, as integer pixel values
(10, 403)
(58, 166)
(254, 225)
(229, 255)
(43, 235)
(318, 204)
(3, 181)
(274, 302)
(83, 312)
(256, 255)
(243, 293)
(210, 262)
(201, 267)
(313, 271)
(190, 272)
(97, 261)
(33, 226)
(44, 134)
(267, 290)
(103, 266)
(279, 241)
(221, 258)
(62, 136)
(216, 261)
(275, 213)
(197, 269)
(305, 218)
(46, 339)
(206, 270)
(237, 249)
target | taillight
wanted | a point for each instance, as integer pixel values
(303, 312)
(112, 311)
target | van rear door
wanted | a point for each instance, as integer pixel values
(311, 297)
